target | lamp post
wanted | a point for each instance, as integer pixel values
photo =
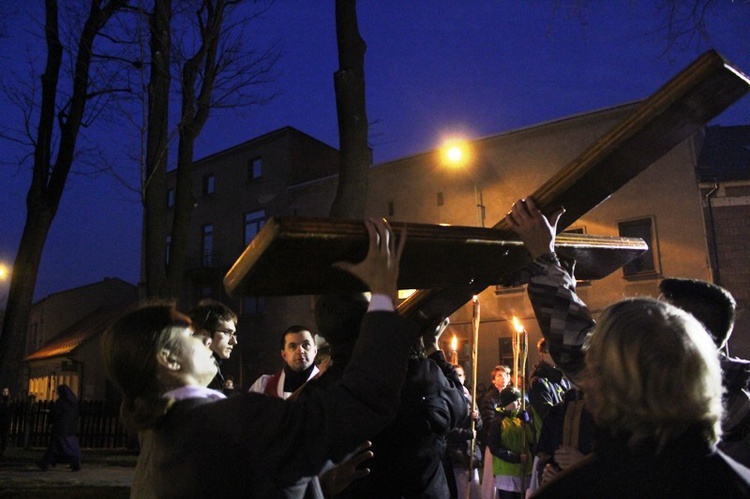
(4, 276)
(457, 153)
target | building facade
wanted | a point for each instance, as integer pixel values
(62, 344)
(723, 171)
(289, 173)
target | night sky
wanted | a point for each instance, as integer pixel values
(433, 68)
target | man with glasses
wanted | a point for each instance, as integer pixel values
(218, 323)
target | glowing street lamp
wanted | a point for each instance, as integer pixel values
(458, 154)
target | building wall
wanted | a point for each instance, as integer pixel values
(505, 167)
(727, 210)
(289, 157)
(511, 166)
(57, 312)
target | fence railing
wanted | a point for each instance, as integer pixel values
(99, 425)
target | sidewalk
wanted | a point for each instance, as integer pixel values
(104, 473)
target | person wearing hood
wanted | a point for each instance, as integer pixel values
(63, 445)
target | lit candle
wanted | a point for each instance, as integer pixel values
(454, 350)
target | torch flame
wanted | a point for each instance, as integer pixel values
(454, 343)
(517, 324)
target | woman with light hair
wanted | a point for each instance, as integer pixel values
(654, 386)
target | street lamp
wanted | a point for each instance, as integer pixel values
(458, 154)
(4, 276)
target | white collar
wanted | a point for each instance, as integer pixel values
(193, 392)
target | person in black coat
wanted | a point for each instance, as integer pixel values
(4, 420)
(198, 443)
(63, 446)
(408, 454)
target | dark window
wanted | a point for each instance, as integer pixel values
(254, 221)
(207, 245)
(254, 168)
(644, 265)
(505, 348)
(209, 184)
(252, 305)
(440, 200)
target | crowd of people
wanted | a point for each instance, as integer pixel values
(645, 401)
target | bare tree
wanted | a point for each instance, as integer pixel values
(349, 82)
(59, 123)
(154, 179)
(220, 73)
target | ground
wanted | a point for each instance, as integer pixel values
(105, 473)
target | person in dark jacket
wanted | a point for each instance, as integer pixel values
(715, 308)
(258, 446)
(408, 454)
(464, 457)
(567, 435)
(63, 446)
(4, 420)
(547, 385)
(218, 323)
(500, 379)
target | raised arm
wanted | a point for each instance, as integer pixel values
(563, 318)
(379, 269)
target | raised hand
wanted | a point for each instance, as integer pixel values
(379, 269)
(536, 230)
(336, 479)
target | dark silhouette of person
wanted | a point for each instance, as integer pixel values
(63, 446)
(4, 420)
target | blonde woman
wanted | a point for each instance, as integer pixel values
(651, 378)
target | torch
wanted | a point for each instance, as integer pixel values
(521, 344)
(474, 355)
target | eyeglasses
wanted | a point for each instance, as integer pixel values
(225, 332)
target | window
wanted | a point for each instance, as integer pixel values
(252, 305)
(440, 199)
(207, 245)
(170, 198)
(254, 221)
(646, 264)
(254, 168)
(505, 351)
(209, 184)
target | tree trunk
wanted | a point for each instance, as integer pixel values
(349, 82)
(155, 175)
(196, 105)
(48, 179)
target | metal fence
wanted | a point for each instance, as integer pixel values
(99, 425)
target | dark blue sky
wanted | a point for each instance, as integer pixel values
(433, 67)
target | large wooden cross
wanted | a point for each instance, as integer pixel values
(293, 255)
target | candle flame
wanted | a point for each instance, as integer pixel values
(454, 343)
(517, 324)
